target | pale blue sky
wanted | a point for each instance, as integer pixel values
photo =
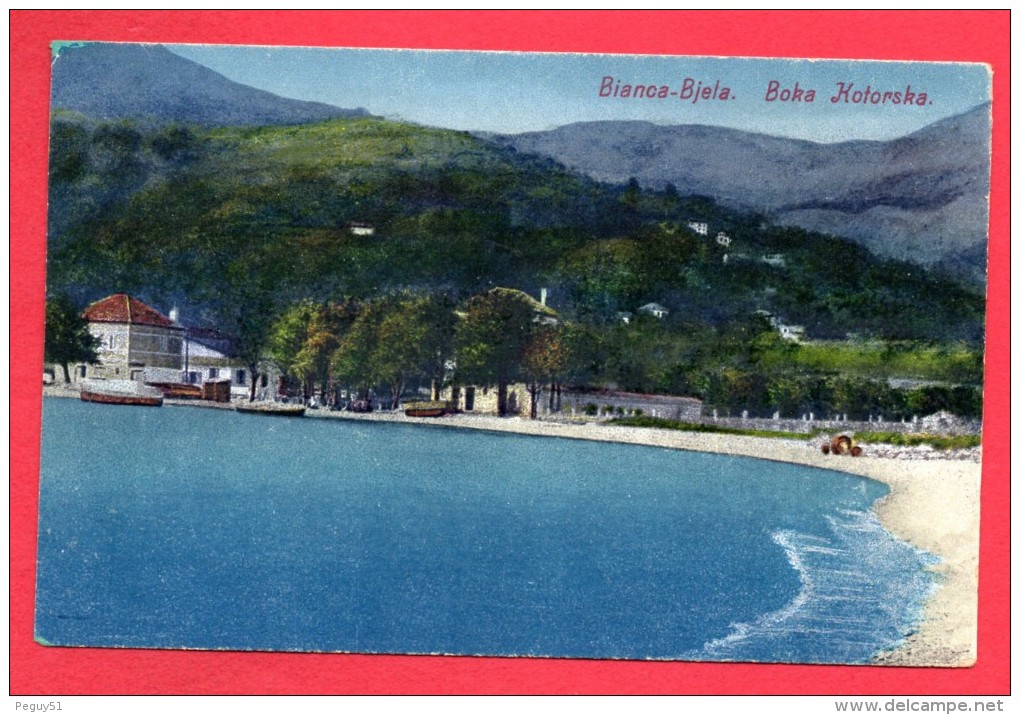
(516, 92)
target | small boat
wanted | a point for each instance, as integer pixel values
(120, 392)
(111, 398)
(425, 409)
(271, 408)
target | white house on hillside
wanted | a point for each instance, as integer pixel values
(654, 309)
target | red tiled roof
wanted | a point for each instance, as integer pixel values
(121, 308)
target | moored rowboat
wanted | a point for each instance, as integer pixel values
(112, 398)
(425, 409)
(120, 392)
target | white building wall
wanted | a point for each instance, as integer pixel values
(112, 351)
(126, 351)
(154, 346)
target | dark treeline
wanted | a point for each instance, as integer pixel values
(412, 344)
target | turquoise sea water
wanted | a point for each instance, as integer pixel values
(198, 528)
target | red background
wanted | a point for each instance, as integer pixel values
(980, 36)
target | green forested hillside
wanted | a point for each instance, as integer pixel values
(178, 213)
(237, 224)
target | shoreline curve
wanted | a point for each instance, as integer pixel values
(933, 504)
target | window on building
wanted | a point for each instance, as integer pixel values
(241, 377)
(213, 373)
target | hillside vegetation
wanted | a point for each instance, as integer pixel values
(921, 197)
(235, 225)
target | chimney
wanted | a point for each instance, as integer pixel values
(544, 293)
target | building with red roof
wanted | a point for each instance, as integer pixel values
(134, 338)
(122, 308)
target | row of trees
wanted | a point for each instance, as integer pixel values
(390, 343)
(396, 342)
(405, 341)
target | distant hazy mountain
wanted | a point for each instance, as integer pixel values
(121, 81)
(923, 197)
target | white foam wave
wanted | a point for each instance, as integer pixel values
(861, 591)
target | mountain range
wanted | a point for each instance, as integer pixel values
(129, 81)
(921, 198)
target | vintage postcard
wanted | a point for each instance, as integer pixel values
(505, 354)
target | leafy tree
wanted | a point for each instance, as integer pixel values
(67, 336)
(396, 339)
(425, 334)
(492, 339)
(251, 326)
(288, 336)
(328, 324)
(641, 355)
(860, 398)
(352, 362)
(414, 338)
(544, 359)
(249, 308)
(399, 353)
(588, 348)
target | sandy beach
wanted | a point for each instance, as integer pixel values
(933, 504)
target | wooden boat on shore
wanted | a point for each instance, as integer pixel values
(425, 409)
(271, 408)
(120, 392)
